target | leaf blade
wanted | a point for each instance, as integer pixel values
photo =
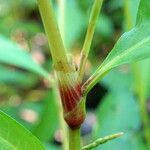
(15, 137)
(12, 54)
(132, 46)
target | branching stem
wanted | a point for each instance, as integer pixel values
(54, 38)
(89, 36)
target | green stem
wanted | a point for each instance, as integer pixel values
(61, 23)
(74, 139)
(54, 38)
(128, 19)
(102, 141)
(89, 36)
(61, 17)
(96, 77)
(139, 89)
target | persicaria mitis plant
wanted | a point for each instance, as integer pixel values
(132, 46)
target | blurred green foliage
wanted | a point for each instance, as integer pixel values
(28, 98)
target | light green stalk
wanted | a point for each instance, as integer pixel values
(89, 36)
(102, 141)
(64, 68)
(61, 17)
(74, 139)
(54, 38)
(140, 91)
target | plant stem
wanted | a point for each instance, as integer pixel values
(89, 36)
(102, 141)
(61, 17)
(128, 19)
(54, 38)
(61, 23)
(140, 91)
(96, 77)
(74, 139)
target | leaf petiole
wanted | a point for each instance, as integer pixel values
(89, 36)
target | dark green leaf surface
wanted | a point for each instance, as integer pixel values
(13, 136)
(11, 53)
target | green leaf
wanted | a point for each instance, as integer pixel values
(118, 79)
(13, 136)
(18, 78)
(52, 147)
(49, 119)
(104, 26)
(11, 53)
(143, 12)
(73, 27)
(132, 46)
(119, 112)
(116, 107)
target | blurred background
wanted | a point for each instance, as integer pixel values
(119, 103)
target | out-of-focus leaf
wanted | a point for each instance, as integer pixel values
(8, 27)
(118, 79)
(133, 9)
(51, 147)
(119, 112)
(11, 53)
(13, 136)
(5, 7)
(84, 5)
(75, 21)
(11, 76)
(49, 119)
(28, 3)
(31, 27)
(115, 4)
(104, 26)
(19, 112)
(119, 108)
